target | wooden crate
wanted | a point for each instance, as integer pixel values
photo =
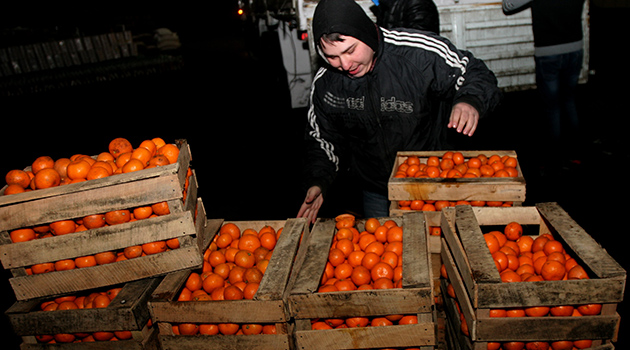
(479, 288)
(187, 221)
(267, 307)
(128, 311)
(415, 297)
(453, 189)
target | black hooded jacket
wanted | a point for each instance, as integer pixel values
(361, 123)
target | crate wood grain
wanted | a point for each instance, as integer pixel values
(479, 288)
(128, 311)
(191, 233)
(488, 189)
(148, 186)
(415, 297)
(267, 307)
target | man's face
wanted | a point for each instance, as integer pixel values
(351, 56)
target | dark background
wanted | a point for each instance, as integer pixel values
(228, 96)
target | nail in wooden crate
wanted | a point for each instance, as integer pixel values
(478, 286)
(128, 311)
(453, 189)
(414, 298)
(268, 305)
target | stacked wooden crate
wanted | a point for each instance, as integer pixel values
(174, 184)
(415, 297)
(267, 307)
(477, 288)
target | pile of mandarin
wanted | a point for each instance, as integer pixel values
(363, 260)
(120, 157)
(233, 268)
(524, 258)
(455, 165)
(95, 221)
(91, 300)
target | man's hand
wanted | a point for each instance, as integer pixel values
(464, 118)
(312, 203)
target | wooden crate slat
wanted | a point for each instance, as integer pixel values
(97, 240)
(276, 278)
(61, 282)
(481, 264)
(97, 200)
(360, 303)
(234, 311)
(226, 342)
(368, 337)
(311, 256)
(537, 328)
(415, 272)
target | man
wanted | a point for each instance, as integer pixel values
(379, 97)
(559, 56)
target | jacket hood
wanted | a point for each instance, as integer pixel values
(344, 17)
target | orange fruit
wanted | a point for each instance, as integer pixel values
(66, 264)
(170, 151)
(46, 178)
(142, 154)
(513, 231)
(492, 242)
(371, 224)
(382, 269)
(552, 270)
(154, 247)
(589, 309)
(161, 208)
(143, 212)
(133, 164)
(105, 258)
(43, 162)
(383, 283)
(343, 270)
(252, 275)
(13, 189)
(63, 227)
(115, 217)
(78, 169)
(94, 221)
(97, 172)
(395, 234)
(561, 310)
(85, 261)
(232, 292)
(537, 311)
(149, 145)
(249, 243)
(18, 177)
(552, 246)
(22, 235)
(119, 146)
(244, 258)
(510, 276)
(577, 272)
(132, 252)
(211, 282)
